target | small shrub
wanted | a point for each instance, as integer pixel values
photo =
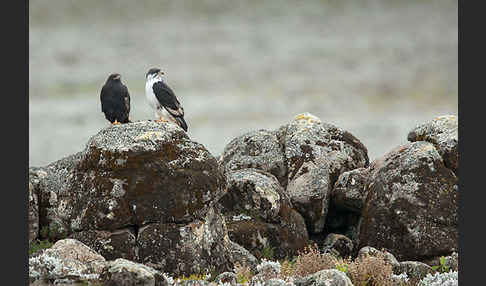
(312, 260)
(243, 272)
(268, 252)
(371, 271)
(442, 267)
(38, 245)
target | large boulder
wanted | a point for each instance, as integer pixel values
(67, 261)
(259, 215)
(411, 205)
(349, 192)
(442, 131)
(323, 278)
(306, 156)
(122, 272)
(131, 181)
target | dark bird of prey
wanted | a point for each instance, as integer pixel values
(115, 100)
(162, 99)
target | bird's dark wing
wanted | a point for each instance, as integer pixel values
(126, 97)
(167, 99)
(104, 93)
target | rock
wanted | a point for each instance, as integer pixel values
(122, 272)
(33, 214)
(324, 278)
(259, 149)
(443, 133)
(202, 245)
(253, 192)
(242, 256)
(266, 270)
(371, 251)
(349, 192)
(67, 261)
(264, 239)
(337, 244)
(227, 277)
(411, 207)
(110, 244)
(415, 270)
(144, 172)
(317, 153)
(276, 282)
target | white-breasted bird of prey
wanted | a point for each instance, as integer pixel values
(115, 100)
(162, 99)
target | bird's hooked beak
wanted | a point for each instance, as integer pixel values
(161, 73)
(117, 76)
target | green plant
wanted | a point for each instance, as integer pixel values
(243, 273)
(268, 252)
(38, 245)
(442, 267)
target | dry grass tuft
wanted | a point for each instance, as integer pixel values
(371, 271)
(311, 260)
(243, 272)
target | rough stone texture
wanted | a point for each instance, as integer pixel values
(389, 257)
(411, 206)
(144, 172)
(349, 192)
(68, 260)
(253, 192)
(260, 149)
(202, 245)
(110, 244)
(52, 186)
(227, 277)
(317, 153)
(325, 277)
(337, 244)
(33, 214)
(138, 176)
(443, 133)
(122, 272)
(242, 256)
(285, 238)
(276, 282)
(415, 270)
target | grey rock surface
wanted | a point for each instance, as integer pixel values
(411, 207)
(242, 256)
(415, 270)
(441, 131)
(122, 272)
(227, 277)
(33, 214)
(325, 277)
(337, 244)
(67, 261)
(349, 192)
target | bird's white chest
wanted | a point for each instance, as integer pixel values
(150, 95)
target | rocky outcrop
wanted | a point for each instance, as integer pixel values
(122, 272)
(132, 181)
(67, 261)
(411, 206)
(337, 244)
(442, 131)
(306, 156)
(33, 214)
(349, 192)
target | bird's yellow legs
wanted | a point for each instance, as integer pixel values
(116, 122)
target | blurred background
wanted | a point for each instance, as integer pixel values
(376, 68)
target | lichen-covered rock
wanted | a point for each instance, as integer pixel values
(411, 206)
(337, 244)
(280, 240)
(277, 282)
(110, 244)
(52, 184)
(185, 249)
(415, 270)
(68, 260)
(259, 149)
(389, 257)
(443, 133)
(349, 192)
(253, 192)
(142, 172)
(33, 214)
(242, 256)
(325, 277)
(440, 279)
(316, 154)
(122, 272)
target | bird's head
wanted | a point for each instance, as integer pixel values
(153, 73)
(113, 77)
